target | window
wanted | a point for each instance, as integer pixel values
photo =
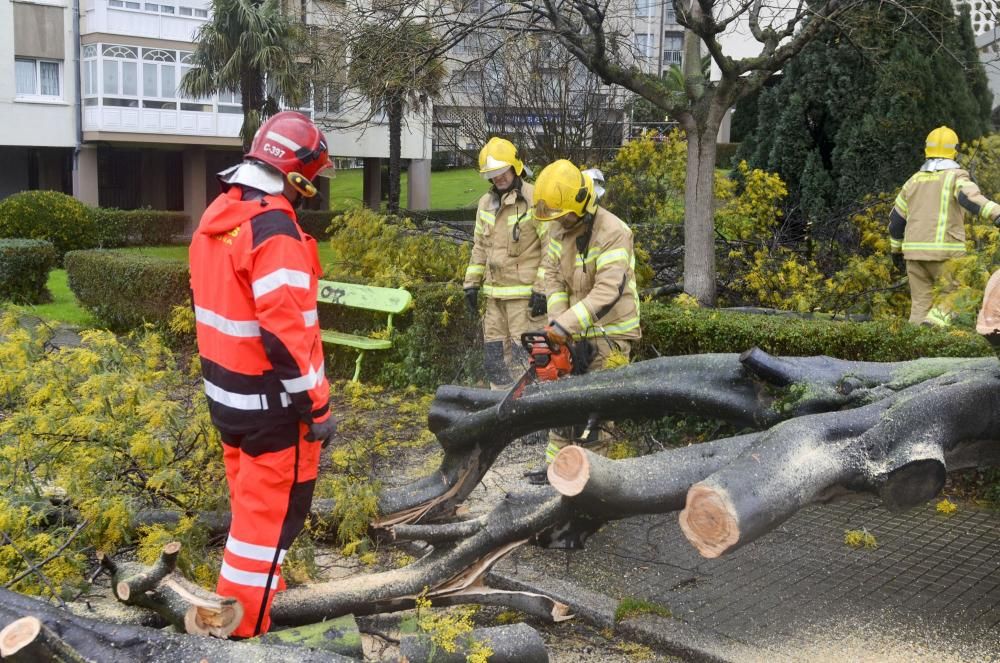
(159, 77)
(230, 102)
(185, 11)
(643, 8)
(201, 13)
(152, 8)
(120, 75)
(37, 78)
(644, 45)
(673, 41)
(166, 9)
(671, 16)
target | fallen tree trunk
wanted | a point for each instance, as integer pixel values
(94, 640)
(895, 448)
(752, 389)
(518, 643)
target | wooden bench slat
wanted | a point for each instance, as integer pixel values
(372, 298)
(359, 342)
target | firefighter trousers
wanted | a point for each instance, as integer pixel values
(922, 275)
(271, 474)
(563, 437)
(503, 323)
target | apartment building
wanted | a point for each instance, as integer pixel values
(91, 107)
(37, 91)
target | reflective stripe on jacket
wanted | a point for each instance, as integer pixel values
(507, 247)
(927, 221)
(253, 282)
(591, 289)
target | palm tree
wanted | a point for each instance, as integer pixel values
(395, 67)
(248, 43)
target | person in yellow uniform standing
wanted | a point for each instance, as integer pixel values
(927, 222)
(589, 275)
(505, 263)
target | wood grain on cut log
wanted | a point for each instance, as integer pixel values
(187, 606)
(28, 640)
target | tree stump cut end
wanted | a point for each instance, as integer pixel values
(709, 521)
(19, 634)
(569, 471)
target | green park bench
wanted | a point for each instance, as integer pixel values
(369, 298)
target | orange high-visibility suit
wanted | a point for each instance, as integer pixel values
(254, 279)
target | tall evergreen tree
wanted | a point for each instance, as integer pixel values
(850, 114)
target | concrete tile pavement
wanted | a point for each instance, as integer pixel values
(930, 591)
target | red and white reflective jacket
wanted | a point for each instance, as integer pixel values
(253, 281)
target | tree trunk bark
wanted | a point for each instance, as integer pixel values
(252, 101)
(394, 109)
(699, 209)
(96, 640)
(518, 643)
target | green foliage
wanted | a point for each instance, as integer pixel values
(125, 290)
(851, 112)
(111, 426)
(244, 41)
(645, 181)
(633, 607)
(24, 270)
(390, 251)
(676, 330)
(139, 227)
(438, 343)
(48, 215)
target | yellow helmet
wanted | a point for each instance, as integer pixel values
(497, 156)
(561, 188)
(942, 143)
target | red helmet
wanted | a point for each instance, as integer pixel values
(291, 143)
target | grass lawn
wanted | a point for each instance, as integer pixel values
(450, 189)
(64, 307)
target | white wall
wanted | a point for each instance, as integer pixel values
(42, 124)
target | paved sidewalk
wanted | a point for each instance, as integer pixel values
(929, 592)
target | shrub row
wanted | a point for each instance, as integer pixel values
(70, 225)
(24, 270)
(138, 227)
(675, 330)
(126, 290)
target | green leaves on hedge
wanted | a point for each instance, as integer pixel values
(137, 227)
(24, 270)
(125, 290)
(50, 215)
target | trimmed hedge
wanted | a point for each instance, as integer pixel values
(126, 290)
(139, 227)
(49, 215)
(674, 330)
(24, 270)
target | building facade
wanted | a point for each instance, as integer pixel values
(92, 107)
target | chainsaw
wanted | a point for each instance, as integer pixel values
(546, 361)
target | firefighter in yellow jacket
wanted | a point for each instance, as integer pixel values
(505, 263)
(589, 274)
(926, 225)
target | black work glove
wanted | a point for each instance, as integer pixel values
(899, 263)
(472, 300)
(323, 431)
(539, 306)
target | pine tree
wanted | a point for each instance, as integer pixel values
(850, 114)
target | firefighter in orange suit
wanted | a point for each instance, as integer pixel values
(927, 222)
(253, 281)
